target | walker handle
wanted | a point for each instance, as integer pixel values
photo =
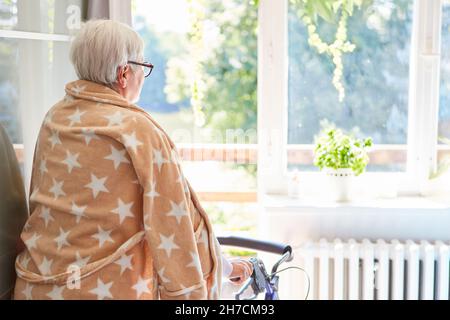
(267, 246)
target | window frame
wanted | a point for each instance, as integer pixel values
(423, 102)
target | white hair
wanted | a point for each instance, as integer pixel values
(101, 46)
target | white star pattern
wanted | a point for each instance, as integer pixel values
(204, 238)
(81, 262)
(167, 244)
(158, 159)
(78, 211)
(48, 117)
(43, 166)
(56, 189)
(115, 119)
(34, 193)
(102, 236)
(195, 261)
(68, 99)
(56, 293)
(181, 180)
(146, 219)
(31, 243)
(177, 211)
(186, 186)
(142, 286)
(75, 192)
(123, 210)
(54, 139)
(88, 135)
(130, 141)
(27, 224)
(71, 161)
(125, 263)
(75, 117)
(45, 266)
(61, 239)
(117, 156)
(25, 262)
(78, 89)
(152, 193)
(161, 275)
(102, 290)
(97, 185)
(45, 214)
(27, 291)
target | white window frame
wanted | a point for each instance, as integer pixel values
(273, 103)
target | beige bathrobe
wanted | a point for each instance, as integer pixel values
(112, 216)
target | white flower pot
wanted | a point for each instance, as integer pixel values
(341, 184)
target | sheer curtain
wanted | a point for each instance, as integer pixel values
(118, 10)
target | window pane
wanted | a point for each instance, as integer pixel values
(220, 61)
(444, 101)
(226, 74)
(375, 78)
(31, 71)
(43, 16)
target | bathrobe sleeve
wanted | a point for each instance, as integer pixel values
(167, 214)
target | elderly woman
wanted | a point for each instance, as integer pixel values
(112, 215)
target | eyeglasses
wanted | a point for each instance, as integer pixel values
(147, 67)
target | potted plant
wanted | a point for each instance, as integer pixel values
(343, 156)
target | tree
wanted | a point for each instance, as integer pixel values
(229, 70)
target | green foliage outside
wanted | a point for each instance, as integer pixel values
(229, 68)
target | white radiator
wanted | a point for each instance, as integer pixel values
(377, 270)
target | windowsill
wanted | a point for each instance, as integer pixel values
(404, 218)
(370, 191)
(401, 202)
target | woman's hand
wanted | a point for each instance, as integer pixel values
(242, 270)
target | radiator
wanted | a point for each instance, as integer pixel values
(380, 270)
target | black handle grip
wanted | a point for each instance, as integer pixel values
(261, 245)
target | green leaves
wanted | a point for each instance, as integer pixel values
(331, 11)
(336, 150)
(324, 9)
(349, 7)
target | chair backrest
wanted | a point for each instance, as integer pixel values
(13, 213)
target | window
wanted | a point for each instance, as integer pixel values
(399, 111)
(376, 80)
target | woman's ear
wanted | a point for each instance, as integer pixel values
(122, 76)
